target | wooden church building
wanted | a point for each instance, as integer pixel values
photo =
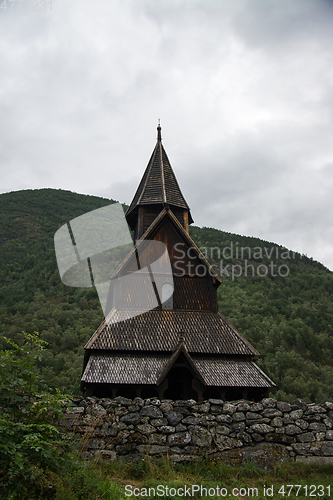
(163, 335)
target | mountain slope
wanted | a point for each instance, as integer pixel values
(280, 301)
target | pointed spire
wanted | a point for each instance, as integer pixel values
(158, 185)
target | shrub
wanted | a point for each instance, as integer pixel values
(30, 444)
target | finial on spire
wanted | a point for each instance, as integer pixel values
(159, 137)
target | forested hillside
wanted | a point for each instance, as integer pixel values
(280, 301)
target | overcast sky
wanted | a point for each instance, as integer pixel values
(243, 89)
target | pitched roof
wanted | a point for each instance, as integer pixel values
(159, 330)
(107, 368)
(158, 184)
(232, 373)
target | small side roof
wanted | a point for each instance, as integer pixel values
(113, 368)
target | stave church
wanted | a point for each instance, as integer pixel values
(163, 335)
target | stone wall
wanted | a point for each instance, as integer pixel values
(234, 432)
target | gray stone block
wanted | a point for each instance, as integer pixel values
(226, 443)
(216, 409)
(191, 420)
(238, 416)
(146, 428)
(157, 439)
(269, 403)
(181, 428)
(179, 439)
(157, 422)
(229, 408)
(327, 449)
(298, 404)
(138, 401)
(279, 438)
(200, 436)
(167, 429)
(224, 419)
(96, 410)
(316, 426)
(215, 402)
(302, 424)
(329, 435)
(292, 429)
(296, 414)
(124, 401)
(257, 437)
(222, 429)
(201, 408)
(276, 422)
(151, 412)
(261, 428)
(253, 416)
(314, 409)
(307, 437)
(237, 427)
(173, 417)
(134, 408)
(165, 406)
(256, 407)
(301, 448)
(131, 418)
(285, 407)
(271, 413)
(242, 406)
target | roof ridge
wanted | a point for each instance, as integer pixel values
(162, 172)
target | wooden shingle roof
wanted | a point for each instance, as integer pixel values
(114, 368)
(232, 373)
(158, 184)
(159, 331)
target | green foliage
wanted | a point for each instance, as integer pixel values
(29, 441)
(289, 320)
(34, 457)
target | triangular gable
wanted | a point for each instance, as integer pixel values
(148, 235)
(180, 349)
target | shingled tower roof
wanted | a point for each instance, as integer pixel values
(158, 185)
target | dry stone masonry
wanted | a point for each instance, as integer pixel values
(235, 432)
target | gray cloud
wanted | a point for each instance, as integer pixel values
(243, 89)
